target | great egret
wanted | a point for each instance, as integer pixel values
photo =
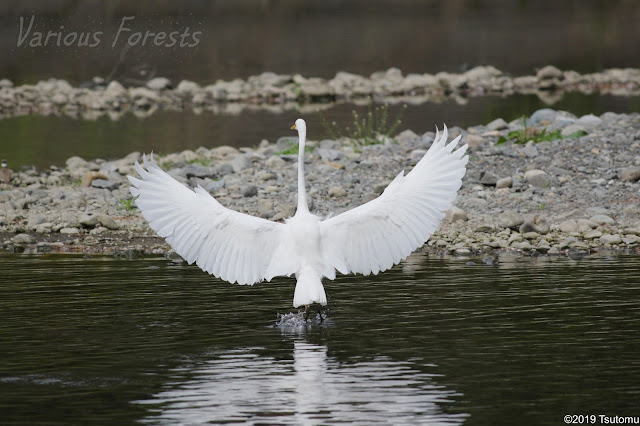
(245, 249)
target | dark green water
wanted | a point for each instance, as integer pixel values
(240, 38)
(45, 140)
(434, 341)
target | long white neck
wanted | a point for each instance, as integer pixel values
(302, 192)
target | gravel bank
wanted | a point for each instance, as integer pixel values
(573, 195)
(268, 90)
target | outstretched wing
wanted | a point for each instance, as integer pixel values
(230, 245)
(376, 235)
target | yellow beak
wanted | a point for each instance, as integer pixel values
(293, 127)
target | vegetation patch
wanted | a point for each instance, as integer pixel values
(536, 135)
(374, 128)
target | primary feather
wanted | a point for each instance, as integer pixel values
(245, 249)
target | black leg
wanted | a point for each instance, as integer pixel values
(306, 312)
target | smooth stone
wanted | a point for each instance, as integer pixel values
(74, 163)
(559, 171)
(104, 184)
(632, 231)
(225, 169)
(462, 251)
(417, 154)
(455, 214)
(44, 228)
(505, 182)
(602, 219)
(89, 221)
(632, 209)
(23, 239)
(196, 170)
(241, 162)
(187, 87)
(250, 191)
(275, 162)
(89, 177)
(497, 124)
(335, 165)
(264, 206)
(214, 185)
(535, 224)
(522, 245)
(569, 226)
(587, 224)
(223, 152)
(265, 176)
(406, 137)
(530, 150)
(510, 220)
(594, 210)
(378, 188)
(543, 115)
(108, 222)
(159, 83)
(70, 230)
(590, 120)
(488, 179)
(475, 142)
(537, 178)
(566, 243)
(36, 220)
(329, 154)
(630, 174)
(631, 239)
(337, 191)
(591, 235)
(549, 72)
(610, 239)
(572, 129)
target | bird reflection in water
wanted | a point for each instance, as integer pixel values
(249, 385)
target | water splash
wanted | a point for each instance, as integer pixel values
(295, 322)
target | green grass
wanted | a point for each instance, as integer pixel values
(200, 161)
(294, 150)
(127, 204)
(536, 135)
(371, 129)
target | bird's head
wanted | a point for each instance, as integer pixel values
(300, 125)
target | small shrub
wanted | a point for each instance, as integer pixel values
(371, 129)
(294, 150)
(127, 204)
(536, 135)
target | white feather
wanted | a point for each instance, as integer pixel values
(245, 249)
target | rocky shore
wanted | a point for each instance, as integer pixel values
(269, 90)
(574, 194)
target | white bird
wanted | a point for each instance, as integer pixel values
(245, 249)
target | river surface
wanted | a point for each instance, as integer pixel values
(434, 341)
(240, 38)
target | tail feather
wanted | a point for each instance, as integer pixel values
(309, 289)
